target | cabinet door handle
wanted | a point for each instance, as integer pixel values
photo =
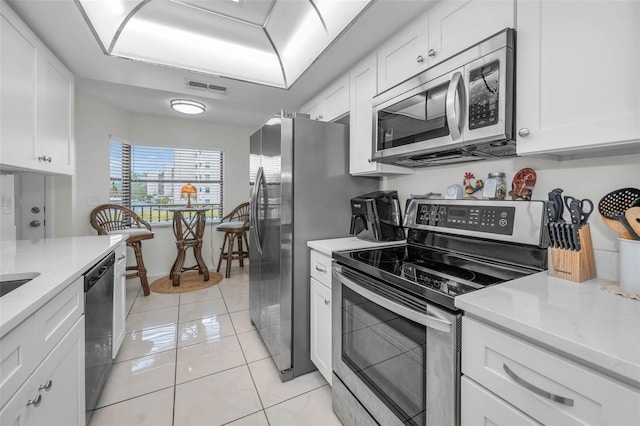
(46, 386)
(420, 59)
(35, 402)
(122, 257)
(537, 390)
(327, 301)
(431, 53)
(323, 270)
(524, 132)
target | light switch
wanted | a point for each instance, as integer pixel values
(6, 205)
(93, 200)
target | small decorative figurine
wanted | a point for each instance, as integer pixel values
(522, 185)
(471, 186)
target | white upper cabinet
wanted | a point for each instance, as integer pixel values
(18, 70)
(449, 28)
(458, 24)
(55, 124)
(332, 103)
(36, 102)
(312, 108)
(404, 55)
(362, 87)
(577, 84)
(335, 99)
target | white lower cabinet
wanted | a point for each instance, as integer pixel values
(481, 407)
(42, 365)
(320, 313)
(540, 384)
(54, 394)
(119, 297)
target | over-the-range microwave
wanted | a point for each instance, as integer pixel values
(461, 109)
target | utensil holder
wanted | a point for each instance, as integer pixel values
(576, 266)
(629, 257)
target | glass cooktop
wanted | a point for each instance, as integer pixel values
(432, 273)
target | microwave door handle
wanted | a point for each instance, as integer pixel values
(454, 117)
(424, 319)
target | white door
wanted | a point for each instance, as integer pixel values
(30, 207)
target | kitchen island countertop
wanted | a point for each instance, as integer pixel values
(59, 261)
(578, 320)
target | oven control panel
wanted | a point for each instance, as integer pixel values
(521, 222)
(493, 219)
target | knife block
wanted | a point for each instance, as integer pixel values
(576, 266)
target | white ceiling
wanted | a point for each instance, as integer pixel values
(146, 89)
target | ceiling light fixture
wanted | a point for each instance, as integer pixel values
(265, 42)
(186, 106)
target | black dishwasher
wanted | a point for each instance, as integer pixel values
(98, 308)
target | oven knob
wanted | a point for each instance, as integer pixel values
(502, 222)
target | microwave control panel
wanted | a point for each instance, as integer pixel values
(490, 219)
(484, 95)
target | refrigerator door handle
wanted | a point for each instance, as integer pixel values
(254, 213)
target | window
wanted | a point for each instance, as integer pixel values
(148, 180)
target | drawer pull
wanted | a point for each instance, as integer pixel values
(46, 386)
(323, 270)
(537, 390)
(122, 257)
(35, 402)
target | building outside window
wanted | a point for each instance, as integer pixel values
(148, 180)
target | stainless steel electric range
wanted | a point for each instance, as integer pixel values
(396, 330)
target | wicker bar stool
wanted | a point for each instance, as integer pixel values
(235, 226)
(110, 219)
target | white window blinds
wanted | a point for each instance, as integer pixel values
(149, 179)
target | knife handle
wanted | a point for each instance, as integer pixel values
(576, 212)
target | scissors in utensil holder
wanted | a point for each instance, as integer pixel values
(584, 207)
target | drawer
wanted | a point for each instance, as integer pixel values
(56, 318)
(548, 387)
(320, 266)
(17, 358)
(481, 407)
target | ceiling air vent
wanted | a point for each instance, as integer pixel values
(198, 85)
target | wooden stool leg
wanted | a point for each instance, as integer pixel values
(142, 271)
(230, 255)
(224, 244)
(177, 266)
(246, 242)
(202, 267)
(240, 250)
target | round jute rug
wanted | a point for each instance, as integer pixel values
(189, 281)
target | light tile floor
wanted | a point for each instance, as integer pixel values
(195, 359)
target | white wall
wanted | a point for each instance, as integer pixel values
(95, 121)
(7, 209)
(587, 178)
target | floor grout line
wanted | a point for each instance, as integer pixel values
(234, 327)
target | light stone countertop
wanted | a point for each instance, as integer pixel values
(328, 246)
(60, 261)
(578, 320)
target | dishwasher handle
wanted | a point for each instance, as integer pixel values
(98, 272)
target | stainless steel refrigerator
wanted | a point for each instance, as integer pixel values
(300, 191)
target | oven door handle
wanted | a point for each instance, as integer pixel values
(427, 320)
